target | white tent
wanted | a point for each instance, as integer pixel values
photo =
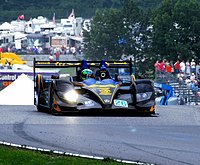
(20, 92)
(6, 26)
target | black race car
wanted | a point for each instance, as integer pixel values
(112, 88)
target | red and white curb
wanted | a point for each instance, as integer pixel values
(67, 153)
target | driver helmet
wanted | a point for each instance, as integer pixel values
(86, 73)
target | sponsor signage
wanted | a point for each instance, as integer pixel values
(6, 78)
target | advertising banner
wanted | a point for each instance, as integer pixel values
(7, 77)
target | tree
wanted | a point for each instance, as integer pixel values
(113, 32)
(176, 25)
(102, 41)
(120, 34)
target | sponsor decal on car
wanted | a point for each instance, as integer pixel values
(89, 103)
(104, 91)
(106, 100)
(120, 103)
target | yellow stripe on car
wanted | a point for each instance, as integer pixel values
(103, 86)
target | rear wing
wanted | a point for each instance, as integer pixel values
(77, 64)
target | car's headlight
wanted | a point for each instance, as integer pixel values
(71, 96)
(143, 96)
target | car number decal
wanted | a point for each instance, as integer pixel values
(104, 91)
(120, 103)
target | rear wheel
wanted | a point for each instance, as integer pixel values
(37, 102)
(39, 108)
(39, 88)
(39, 84)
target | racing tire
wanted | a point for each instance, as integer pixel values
(51, 106)
(39, 84)
(53, 111)
(39, 108)
(146, 111)
(37, 103)
(39, 88)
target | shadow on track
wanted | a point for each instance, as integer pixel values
(104, 114)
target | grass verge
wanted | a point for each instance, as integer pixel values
(16, 156)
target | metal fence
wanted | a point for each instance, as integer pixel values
(184, 91)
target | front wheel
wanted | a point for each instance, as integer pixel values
(146, 110)
(37, 103)
(53, 111)
(52, 105)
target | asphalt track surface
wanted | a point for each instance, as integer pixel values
(171, 137)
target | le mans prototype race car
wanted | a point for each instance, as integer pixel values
(114, 90)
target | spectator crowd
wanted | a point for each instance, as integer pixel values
(40, 50)
(185, 72)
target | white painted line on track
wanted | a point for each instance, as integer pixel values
(67, 153)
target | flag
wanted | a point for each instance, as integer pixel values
(121, 41)
(20, 17)
(72, 15)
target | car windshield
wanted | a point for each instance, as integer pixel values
(113, 71)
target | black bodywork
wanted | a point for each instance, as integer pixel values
(65, 94)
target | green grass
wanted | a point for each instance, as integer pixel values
(16, 156)
(71, 71)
